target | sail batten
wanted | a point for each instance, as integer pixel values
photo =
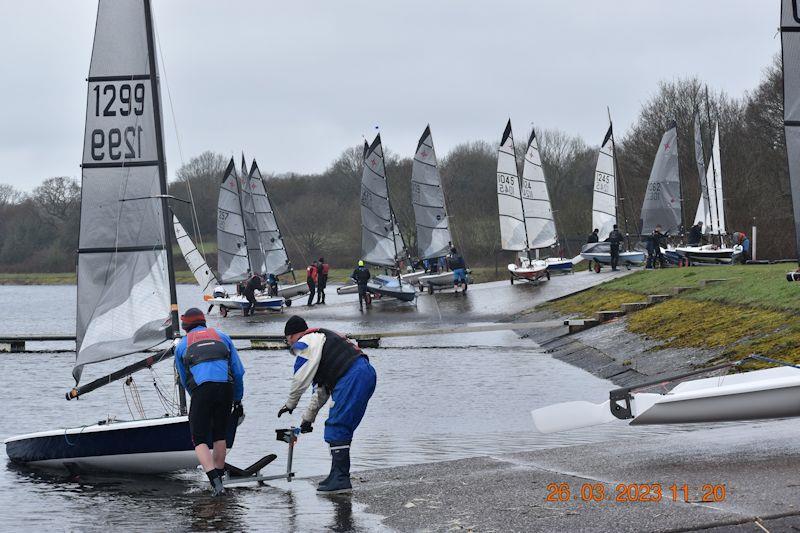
(604, 198)
(790, 46)
(662, 199)
(124, 278)
(427, 196)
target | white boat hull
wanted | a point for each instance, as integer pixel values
(710, 254)
(263, 303)
(535, 270)
(390, 287)
(290, 291)
(347, 289)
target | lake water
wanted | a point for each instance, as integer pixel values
(437, 398)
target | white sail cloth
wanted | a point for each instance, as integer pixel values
(378, 228)
(790, 45)
(232, 258)
(275, 258)
(509, 202)
(427, 197)
(713, 218)
(194, 259)
(539, 223)
(662, 199)
(703, 212)
(123, 284)
(604, 196)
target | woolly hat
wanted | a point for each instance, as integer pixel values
(192, 318)
(295, 324)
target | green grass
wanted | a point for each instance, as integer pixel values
(63, 278)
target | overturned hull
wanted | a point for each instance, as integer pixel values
(390, 287)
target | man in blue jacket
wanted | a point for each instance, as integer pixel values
(211, 372)
(337, 369)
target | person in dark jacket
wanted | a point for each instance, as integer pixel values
(593, 236)
(311, 281)
(615, 238)
(655, 241)
(253, 283)
(212, 373)
(695, 237)
(361, 276)
(456, 263)
(338, 369)
(272, 285)
(322, 279)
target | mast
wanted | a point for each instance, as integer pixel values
(714, 174)
(682, 229)
(391, 211)
(618, 180)
(173, 331)
(521, 202)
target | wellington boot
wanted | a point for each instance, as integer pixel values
(339, 479)
(217, 488)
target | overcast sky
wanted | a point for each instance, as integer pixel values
(294, 83)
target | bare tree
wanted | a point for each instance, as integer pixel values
(9, 195)
(57, 198)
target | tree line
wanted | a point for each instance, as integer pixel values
(319, 214)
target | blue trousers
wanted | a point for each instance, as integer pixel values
(350, 397)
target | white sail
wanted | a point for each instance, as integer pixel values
(275, 257)
(539, 223)
(123, 280)
(509, 203)
(251, 227)
(604, 198)
(232, 260)
(714, 181)
(703, 213)
(790, 46)
(662, 199)
(194, 259)
(378, 227)
(427, 196)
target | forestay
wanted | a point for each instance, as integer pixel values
(232, 261)
(123, 278)
(539, 223)
(275, 257)
(378, 226)
(703, 213)
(427, 197)
(662, 199)
(604, 198)
(254, 252)
(790, 41)
(194, 259)
(509, 203)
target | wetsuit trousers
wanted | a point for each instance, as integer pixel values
(312, 287)
(250, 294)
(350, 397)
(362, 295)
(614, 256)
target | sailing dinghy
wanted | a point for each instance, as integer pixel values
(126, 283)
(430, 213)
(605, 207)
(711, 211)
(790, 44)
(235, 261)
(514, 235)
(759, 394)
(381, 242)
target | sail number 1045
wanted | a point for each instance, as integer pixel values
(121, 104)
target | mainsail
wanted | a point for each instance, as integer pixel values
(194, 259)
(714, 185)
(513, 235)
(427, 196)
(276, 259)
(703, 213)
(126, 290)
(232, 260)
(662, 199)
(790, 44)
(254, 250)
(379, 230)
(539, 223)
(604, 199)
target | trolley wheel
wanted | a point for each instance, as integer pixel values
(288, 302)
(597, 267)
(223, 311)
(547, 273)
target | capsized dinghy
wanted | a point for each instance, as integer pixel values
(769, 393)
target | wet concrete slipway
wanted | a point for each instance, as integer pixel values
(447, 442)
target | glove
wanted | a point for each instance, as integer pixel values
(238, 410)
(284, 409)
(305, 427)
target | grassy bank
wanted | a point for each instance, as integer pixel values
(754, 312)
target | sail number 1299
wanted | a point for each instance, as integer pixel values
(116, 102)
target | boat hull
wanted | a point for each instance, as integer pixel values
(770, 393)
(536, 271)
(388, 287)
(155, 446)
(290, 291)
(559, 265)
(709, 254)
(625, 258)
(263, 303)
(347, 289)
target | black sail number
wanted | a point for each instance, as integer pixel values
(117, 144)
(123, 99)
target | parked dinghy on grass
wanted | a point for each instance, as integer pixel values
(759, 394)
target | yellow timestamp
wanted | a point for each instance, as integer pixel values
(635, 492)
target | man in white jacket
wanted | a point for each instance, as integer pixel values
(336, 368)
